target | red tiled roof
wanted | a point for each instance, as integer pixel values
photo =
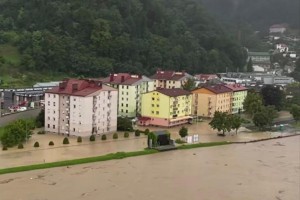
(168, 75)
(205, 77)
(218, 89)
(77, 87)
(121, 79)
(235, 87)
(174, 92)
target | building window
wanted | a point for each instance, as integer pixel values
(127, 88)
(53, 126)
(127, 105)
(152, 105)
(53, 111)
(157, 105)
(49, 95)
(74, 129)
(122, 104)
(53, 118)
(126, 111)
(53, 103)
(74, 106)
(48, 126)
(48, 118)
(152, 112)
(153, 98)
(126, 93)
(157, 112)
(54, 95)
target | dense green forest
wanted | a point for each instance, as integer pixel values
(97, 37)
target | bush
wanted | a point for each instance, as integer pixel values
(36, 144)
(126, 135)
(66, 141)
(137, 133)
(79, 139)
(147, 131)
(20, 146)
(179, 141)
(51, 143)
(4, 148)
(41, 132)
(103, 137)
(92, 138)
(183, 132)
(115, 136)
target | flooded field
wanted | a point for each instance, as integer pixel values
(267, 170)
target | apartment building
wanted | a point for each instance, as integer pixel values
(130, 88)
(209, 99)
(239, 94)
(169, 79)
(166, 107)
(81, 108)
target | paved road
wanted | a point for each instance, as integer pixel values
(4, 120)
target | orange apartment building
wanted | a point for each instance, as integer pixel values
(209, 99)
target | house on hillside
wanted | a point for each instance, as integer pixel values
(278, 28)
(170, 79)
(166, 107)
(81, 107)
(130, 88)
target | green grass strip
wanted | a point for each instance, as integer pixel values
(208, 144)
(112, 156)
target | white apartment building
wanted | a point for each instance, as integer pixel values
(81, 108)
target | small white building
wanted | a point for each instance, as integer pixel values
(278, 28)
(282, 48)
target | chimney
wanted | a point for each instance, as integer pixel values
(111, 78)
(122, 79)
(63, 85)
(74, 87)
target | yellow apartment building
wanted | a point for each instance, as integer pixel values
(166, 107)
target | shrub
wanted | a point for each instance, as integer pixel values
(51, 143)
(4, 148)
(66, 141)
(126, 135)
(20, 146)
(179, 141)
(79, 139)
(147, 131)
(137, 133)
(36, 144)
(92, 138)
(183, 132)
(103, 137)
(115, 136)
(41, 132)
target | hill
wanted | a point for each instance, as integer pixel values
(95, 38)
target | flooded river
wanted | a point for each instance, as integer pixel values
(267, 170)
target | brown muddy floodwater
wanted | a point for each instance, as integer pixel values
(267, 170)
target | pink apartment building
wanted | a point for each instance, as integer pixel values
(81, 108)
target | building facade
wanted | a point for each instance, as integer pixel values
(166, 107)
(238, 97)
(169, 79)
(130, 88)
(209, 99)
(81, 108)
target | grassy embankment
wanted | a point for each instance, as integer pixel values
(113, 156)
(13, 75)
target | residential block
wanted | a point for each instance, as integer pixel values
(166, 107)
(81, 108)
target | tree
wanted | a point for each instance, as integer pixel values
(40, 119)
(124, 124)
(272, 96)
(236, 122)
(189, 84)
(265, 117)
(250, 65)
(15, 133)
(295, 111)
(220, 122)
(183, 132)
(252, 103)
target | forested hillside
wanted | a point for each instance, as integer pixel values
(97, 37)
